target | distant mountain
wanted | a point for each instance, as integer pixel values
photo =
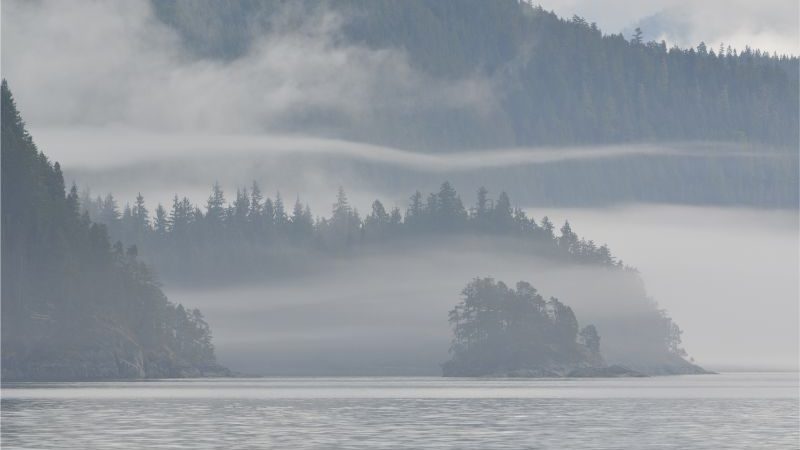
(74, 306)
(553, 81)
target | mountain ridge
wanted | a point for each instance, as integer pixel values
(555, 81)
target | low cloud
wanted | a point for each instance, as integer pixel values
(727, 276)
(118, 147)
(126, 67)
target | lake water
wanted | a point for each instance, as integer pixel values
(705, 411)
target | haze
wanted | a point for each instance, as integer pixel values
(109, 92)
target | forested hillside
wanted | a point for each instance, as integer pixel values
(555, 81)
(260, 240)
(74, 306)
(254, 236)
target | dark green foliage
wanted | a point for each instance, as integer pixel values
(500, 330)
(253, 238)
(73, 305)
(265, 244)
(556, 81)
(590, 338)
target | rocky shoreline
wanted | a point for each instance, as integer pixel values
(124, 359)
(584, 371)
(106, 367)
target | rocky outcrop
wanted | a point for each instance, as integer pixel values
(553, 371)
(604, 372)
(672, 367)
(107, 352)
(102, 364)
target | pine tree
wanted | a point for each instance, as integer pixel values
(415, 209)
(482, 204)
(109, 214)
(637, 36)
(161, 223)
(256, 203)
(568, 239)
(215, 207)
(501, 213)
(141, 217)
(302, 225)
(281, 220)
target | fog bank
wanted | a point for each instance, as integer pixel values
(385, 312)
(727, 276)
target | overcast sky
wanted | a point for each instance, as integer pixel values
(767, 24)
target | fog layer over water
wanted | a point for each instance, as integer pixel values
(386, 312)
(728, 277)
(160, 166)
(145, 119)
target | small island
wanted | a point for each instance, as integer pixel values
(514, 332)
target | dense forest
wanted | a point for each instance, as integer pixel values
(499, 330)
(256, 239)
(74, 305)
(254, 235)
(556, 81)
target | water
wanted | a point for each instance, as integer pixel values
(705, 411)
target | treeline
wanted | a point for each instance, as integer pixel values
(556, 81)
(254, 231)
(74, 306)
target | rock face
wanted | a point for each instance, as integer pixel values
(102, 364)
(668, 365)
(604, 372)
(553, 371)
(589, 368)
(595, 369)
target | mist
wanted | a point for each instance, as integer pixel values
(127, 69)
(400, 224)
(133, 111)
(127, 86)
(385, 311)
(727, 276)
(717, 270)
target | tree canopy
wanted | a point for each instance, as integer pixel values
(74, 305)
(500, 330)
(555, 81)
(253, 234)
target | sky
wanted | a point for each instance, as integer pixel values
(767, 24)
(727, 276)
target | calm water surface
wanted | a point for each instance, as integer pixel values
(708, 411)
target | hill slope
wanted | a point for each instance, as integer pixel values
(73, 305)
(552, 81)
